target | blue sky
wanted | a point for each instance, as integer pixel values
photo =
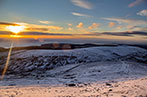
(77, 16)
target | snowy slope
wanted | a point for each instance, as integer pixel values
(44, 60)
(86, 72)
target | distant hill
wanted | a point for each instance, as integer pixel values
(2, 49)
(68, 46)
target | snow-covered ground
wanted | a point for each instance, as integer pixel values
(129, 88)
(88, 72)
(44, 60)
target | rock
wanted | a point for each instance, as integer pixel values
(110, 89)
(71, 85)
(108, 84)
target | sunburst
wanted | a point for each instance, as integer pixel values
(15, 29)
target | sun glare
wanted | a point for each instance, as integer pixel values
(15, 29)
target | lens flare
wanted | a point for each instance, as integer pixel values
(7, 62)
(15, 36)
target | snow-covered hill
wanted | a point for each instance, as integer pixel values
(96, 71)
(26, 61)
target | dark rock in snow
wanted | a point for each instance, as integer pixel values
(108, 84)
(71, 85)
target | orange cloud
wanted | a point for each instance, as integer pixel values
(134, 22)
(70, 29)
(80, 25)
(112, 24)
(34, 27)
(55, 27)
(45, 22)
(69, 24)
(37, 29)
(130, 26)
(94, 26)
(30, 27)
(119, 27)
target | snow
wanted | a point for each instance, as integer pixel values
(48, 59)
(49, 73)
(128, 88)
(121, 50)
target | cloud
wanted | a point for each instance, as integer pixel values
(119, 27)
(80, 25)
(111, 24)
(37, 29)
(31, 33)
(9, 24)
(42, 28)
(45, 22)
(34, 27)
(131, 34)
(70, 29)
(126, 33)
(133, 22)
(30, 27)
(40, 33)
(55, 27)
(144, 29)
(69, 24)
(132, 27)
(94, 26)
(142, 13)
(80, 14)
(130, 24)
(82, 3)
(5, 33)
(136, 28)
(136, 2)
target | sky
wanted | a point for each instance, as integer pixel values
(98, 19)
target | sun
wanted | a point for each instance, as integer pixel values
(15, 29)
